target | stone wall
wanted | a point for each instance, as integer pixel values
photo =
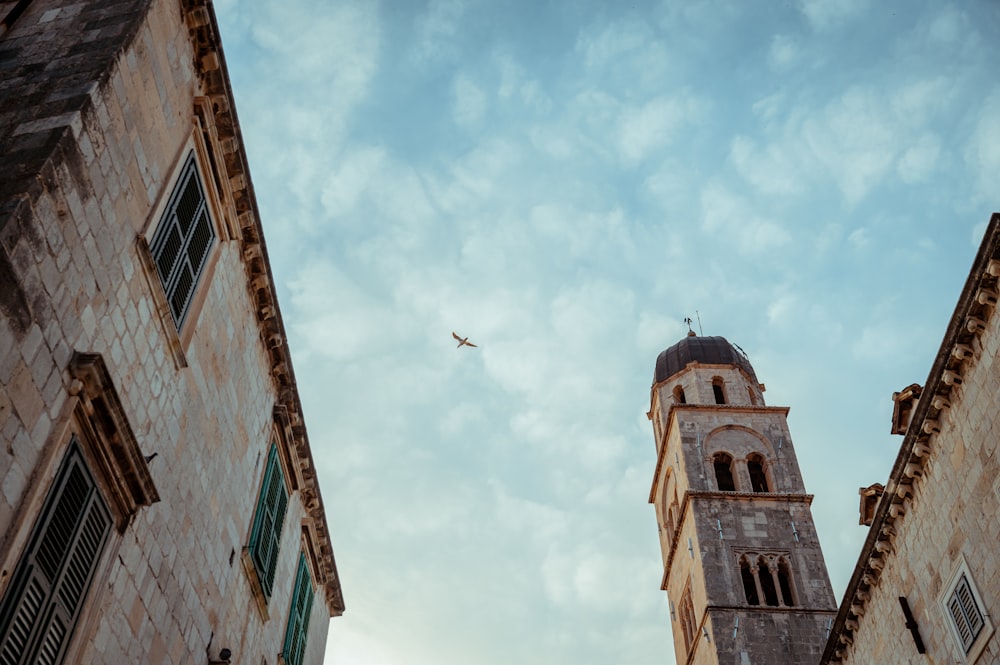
(98, 115)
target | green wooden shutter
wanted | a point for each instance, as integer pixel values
(42, 604)
(182, 240)
(298, 616)
(268, 519)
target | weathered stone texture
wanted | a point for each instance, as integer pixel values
(704, 531)
(941, 510)
(97, 106)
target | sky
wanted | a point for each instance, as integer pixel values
(565, 183)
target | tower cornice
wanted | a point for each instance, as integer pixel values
(727, 408)
(690, 495)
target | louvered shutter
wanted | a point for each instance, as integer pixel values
(298, 616)
(270, 515)
(43, 601)
(182, 241)
(965, 613)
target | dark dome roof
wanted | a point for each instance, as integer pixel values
(708, 350)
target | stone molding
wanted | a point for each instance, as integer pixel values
(225, 136)
(960, 348)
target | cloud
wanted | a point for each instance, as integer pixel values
(731, 220)
(355, 172)
(783, 52)
(654, 124)
(982, 152)
(826, 14)
(435, 29)
(918, 162)
(470, 102)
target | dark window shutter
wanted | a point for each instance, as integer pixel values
(42, 604)
(298, 616)
(270, 515)
(182, 241)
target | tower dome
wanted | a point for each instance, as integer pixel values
(708, 350)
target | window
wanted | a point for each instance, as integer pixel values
(686, 611)
(758, 478)
(182, 240)
(42, 604)
(749, 576)
(767, 578)
(966, 615)
(298, 616)
(679, 395)
(717, 390)
(723, 464)
(266, 534)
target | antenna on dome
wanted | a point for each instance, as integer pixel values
(740, 349)
(700, 331)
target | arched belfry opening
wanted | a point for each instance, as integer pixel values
(758, 475)
(719, 390)
(724, 478)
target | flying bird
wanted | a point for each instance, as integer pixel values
(462, 341)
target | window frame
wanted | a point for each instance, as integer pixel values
(53, 606)
(961, 574)
(169, 222)
(299, 612)
(265, 562)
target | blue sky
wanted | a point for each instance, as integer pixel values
(565, 182)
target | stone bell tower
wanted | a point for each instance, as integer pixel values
(742, 565)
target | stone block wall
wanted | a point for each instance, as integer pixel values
(97, 114)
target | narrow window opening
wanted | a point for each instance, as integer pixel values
(749, 584)
(767, 583)
(724, 473)
(687, 619)
(785, 583)
(758, 479)
(679, 395)
(720, 396)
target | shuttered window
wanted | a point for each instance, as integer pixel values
(965, 613)
(268, 518)
(298, 616)
(42, 603)
(182, 241)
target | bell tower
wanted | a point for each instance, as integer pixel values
(742, 565)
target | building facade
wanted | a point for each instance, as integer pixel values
(159, 497)
(926, 588)
(742, 565)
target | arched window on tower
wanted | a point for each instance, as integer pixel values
(718, 388)
(753, 397)
(686, 612)
(767, 582)
(758, 477)
(785, 582)
(724, 472)
(679, 395)
(749, 582)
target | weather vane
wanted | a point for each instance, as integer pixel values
(687, 320)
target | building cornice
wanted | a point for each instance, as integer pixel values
(210, 65)
(960, 347)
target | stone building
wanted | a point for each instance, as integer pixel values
(742, 564)
(158, 497)
(927, 581)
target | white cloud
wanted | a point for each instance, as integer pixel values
(731, 220)
(654, 124)
(784, 51)
(982, 153)
(355, 171)
(435, 28)
(918, 162)
(824, 14)
(859, 238)
(470, 102)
